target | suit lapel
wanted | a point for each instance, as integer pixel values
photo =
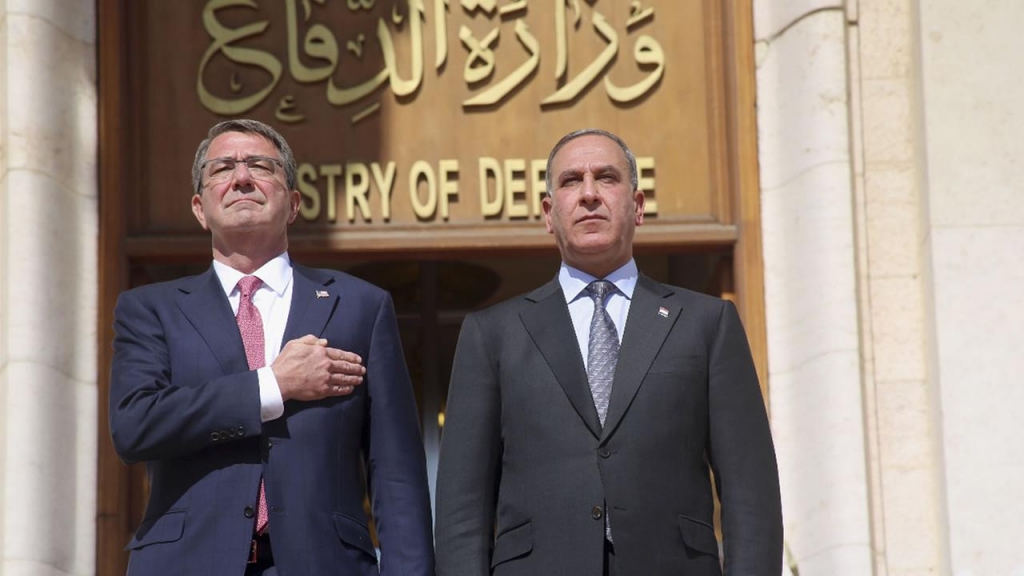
(314, 300)
(550, 327)
(651, 317)
(202, 300)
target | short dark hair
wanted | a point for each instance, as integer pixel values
(630, 158)
(245, 126)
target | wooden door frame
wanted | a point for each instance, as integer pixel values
(113, 511)
(741, 118)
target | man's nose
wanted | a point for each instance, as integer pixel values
(588, 190)
(241, 174)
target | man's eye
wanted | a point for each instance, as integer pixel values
(220, 167)
(260, 166)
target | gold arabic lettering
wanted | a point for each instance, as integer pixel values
(440, 33)
(587, 76)
(399, 86)
(500, 90)
(486, 6)
(284, 110)
(479, 51)
(647, 51)
(356, 46)
(638, 14)
(512, 8)
(223, 38)
(318, 44)
(314, 55)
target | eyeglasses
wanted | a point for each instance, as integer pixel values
(220, 170)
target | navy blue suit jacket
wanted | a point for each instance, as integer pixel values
(183, 400)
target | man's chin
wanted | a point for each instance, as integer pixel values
(243, 224)
(596, 243)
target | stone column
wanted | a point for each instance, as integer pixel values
(807, 219)
(48, 235)
(901, 409)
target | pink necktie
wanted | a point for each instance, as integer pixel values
(250, 325)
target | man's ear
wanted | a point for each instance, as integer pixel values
(546, 205)
(294, 200)
(197, 210)
(638, 200)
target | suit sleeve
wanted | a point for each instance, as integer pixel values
(395, 462)
(468, 471)
(153, 417)
(742, 455)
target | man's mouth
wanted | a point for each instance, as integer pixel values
(244, 200)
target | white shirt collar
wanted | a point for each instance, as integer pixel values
(276, 274)
(574, 281)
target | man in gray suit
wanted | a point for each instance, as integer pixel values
(568, 453)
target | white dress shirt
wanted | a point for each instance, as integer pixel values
(274, 300)
(581, 307)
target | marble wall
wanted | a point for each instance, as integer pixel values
(972, 94)
(48, 283)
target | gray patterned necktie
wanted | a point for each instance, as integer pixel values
(603, 354)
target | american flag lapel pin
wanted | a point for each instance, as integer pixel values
(321, 294)
(663, 312)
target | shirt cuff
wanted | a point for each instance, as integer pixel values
(271, 403)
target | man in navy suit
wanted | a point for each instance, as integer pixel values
(261, 394)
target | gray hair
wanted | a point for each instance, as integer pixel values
(630, 158)
(244, 126)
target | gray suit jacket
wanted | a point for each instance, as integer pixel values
(527, 473)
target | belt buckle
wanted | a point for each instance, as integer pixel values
(253, 552)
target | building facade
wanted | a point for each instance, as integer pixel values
(885, 167)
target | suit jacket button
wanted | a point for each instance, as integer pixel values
(241, 431)
(596, 513)
(249, 512)
(215, 436)
(604, 453)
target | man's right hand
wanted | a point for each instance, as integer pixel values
(308, 369)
